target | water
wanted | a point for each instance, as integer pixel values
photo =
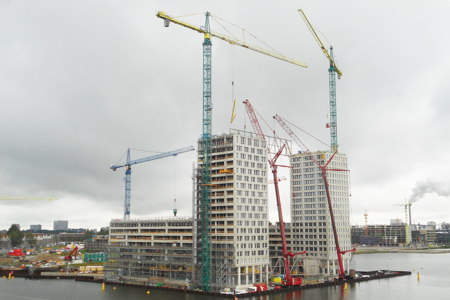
(433, 284)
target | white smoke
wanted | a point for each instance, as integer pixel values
(427, 187)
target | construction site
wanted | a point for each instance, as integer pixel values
(228, 243)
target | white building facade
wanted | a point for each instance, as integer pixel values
(312, 229)
(239, 210)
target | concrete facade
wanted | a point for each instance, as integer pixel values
(239, 209)
(312, 230)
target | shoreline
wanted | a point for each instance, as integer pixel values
(370, 250)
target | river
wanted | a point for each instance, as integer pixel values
(433, 284)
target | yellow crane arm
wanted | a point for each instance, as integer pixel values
(164, 16)
(324, 50)
(231, 40)
(235, 41)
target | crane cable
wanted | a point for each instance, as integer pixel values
(233, 100)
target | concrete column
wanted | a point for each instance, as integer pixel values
(239, 276)
(267, 274)
(328, 267)
(246, 275)
(253, 274)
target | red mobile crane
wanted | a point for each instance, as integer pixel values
(69, 257)
(288, 280)
(324, 176)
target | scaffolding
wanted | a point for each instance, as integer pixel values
(152, 250)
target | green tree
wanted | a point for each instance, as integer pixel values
(15, 235)
(88, 234)
(103, 231)
(31, 239)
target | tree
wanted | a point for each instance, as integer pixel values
(88, 234)
(104, 231)
(31, 239)
(15, 235)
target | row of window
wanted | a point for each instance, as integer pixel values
(251, 201)
(252, 216)
(251, 208)
(251, 245)
(252, 165)
(251, 186)
(251, 230)
(252, 253)
(252, 193)
(256, 142)
(252, 223)
(247, 238)
(252, 178)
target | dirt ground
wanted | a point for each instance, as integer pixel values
(5, 259)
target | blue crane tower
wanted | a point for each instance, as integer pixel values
(332, 83)
(205, 151)
(127, 165)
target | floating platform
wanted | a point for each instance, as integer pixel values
(367, 276)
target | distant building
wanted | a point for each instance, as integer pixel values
(60, 225)
(397, 222)
(388, 235)
(36, 228)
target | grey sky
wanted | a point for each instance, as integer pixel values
(82, 81)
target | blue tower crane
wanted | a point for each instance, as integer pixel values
(332, 83)
(129, 163)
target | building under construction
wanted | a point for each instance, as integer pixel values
(311, 227)
(235, 229)
(237, 226)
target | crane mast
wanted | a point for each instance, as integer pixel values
(206, 168)
(333, 69)
(127, 178)
(324, 170)
(206, 133)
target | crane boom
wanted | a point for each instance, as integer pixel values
(232, 40)
(257, 129)
(324, 50)
(324, 176)
(127, 179)
(153, 157)
(332, 84)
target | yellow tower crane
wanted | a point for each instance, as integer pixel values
(332, 83)
(207, 120)
(231, 40)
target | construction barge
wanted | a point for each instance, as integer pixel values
(41, 274)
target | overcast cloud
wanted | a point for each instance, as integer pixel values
(82, 81)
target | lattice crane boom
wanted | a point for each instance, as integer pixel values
(127, 165)
(231, 40)
(272, 162)
(324, 176)
(316, 37)
(332, 83)
(207, 113)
